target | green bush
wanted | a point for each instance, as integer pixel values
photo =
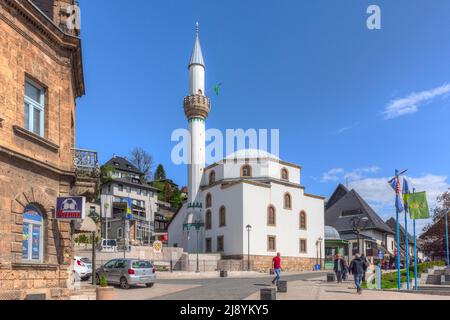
(103, 282)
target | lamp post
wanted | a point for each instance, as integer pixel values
(320, 251)
(358, 223)
(197, 225)
(249, 228)
(446, 238)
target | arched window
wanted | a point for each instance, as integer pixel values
(287, 201)
(284, 174)
(222, 217)
(208, 200)
(271, 216)
(212, 177)
(303, 220)
(208, 220)
(246, 171)
(33, 238)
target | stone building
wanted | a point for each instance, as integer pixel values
(41, 75)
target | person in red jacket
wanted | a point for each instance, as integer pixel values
(276, 264)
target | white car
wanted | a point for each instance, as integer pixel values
(82, 267)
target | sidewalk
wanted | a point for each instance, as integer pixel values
(319, 289)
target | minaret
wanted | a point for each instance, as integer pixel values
(196, 108)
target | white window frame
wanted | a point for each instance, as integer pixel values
(35, 105)
(32, 223)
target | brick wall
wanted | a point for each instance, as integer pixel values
(264, 263)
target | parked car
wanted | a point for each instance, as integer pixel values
(82, 267)
(127, 272)
(108, 245)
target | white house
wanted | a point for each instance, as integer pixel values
(249, 188)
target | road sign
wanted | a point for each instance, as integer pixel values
(380, 254)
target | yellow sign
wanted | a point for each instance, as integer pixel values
(157, 246)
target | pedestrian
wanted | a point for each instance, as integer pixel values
(345, 274)
(276, 264)
(339, 267)
(357, 270)
(366, 266)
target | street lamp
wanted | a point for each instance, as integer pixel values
(319, 241)
(249, 228)
(197, 225)
(359, 223)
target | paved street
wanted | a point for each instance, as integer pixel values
(305, 286)
(207, 289)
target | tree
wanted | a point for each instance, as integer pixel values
(143, 161)
(160, 173)
(434, 233)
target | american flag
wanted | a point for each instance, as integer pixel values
(396, 185)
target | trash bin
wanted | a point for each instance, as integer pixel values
(282, 286)
(331, 277)
(268, 294)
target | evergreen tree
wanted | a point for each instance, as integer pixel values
(160, 173)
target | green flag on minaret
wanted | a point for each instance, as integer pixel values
(216, 88)
(418, 206)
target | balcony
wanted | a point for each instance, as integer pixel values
(87, 171)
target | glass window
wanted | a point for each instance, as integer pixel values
(284, 174)
(212, 177)
(32, 241)
(287, 201)
(142, 264)
(34, 108)
(120, 187)
(303, 220)
(222, 217)
(271, 218)
(271, 243)
(246, 171)
(208, 245)
(110, 264)
(303, 246)
(220, 244)
(208, 220)
(208, 200)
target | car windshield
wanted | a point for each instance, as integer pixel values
(85, 260)
(141, 264)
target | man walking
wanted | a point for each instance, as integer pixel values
(366, 266)
(357, 269)
(339, 267)
(276, 265)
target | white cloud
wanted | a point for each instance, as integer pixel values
(343, 129)
(380, 195)
(410, 104)
(332, 175)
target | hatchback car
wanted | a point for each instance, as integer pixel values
(82, 267)
(127, 272)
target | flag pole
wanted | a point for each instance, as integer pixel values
(398, 251)
(407, 249)
(415, 256)
(446, 237)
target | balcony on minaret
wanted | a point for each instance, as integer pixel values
(197, 106)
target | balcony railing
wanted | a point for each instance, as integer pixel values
(86, 163)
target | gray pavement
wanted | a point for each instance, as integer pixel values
(225, 288)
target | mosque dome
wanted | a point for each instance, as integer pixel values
(331, 233)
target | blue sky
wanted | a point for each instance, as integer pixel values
(351, 104)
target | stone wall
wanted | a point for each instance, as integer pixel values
(264, 263)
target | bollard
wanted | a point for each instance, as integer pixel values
(282, 286)
(268, 294)
(331, 277)
(223, 273)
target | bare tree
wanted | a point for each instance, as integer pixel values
(143, 161)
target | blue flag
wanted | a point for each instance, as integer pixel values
(406, 193)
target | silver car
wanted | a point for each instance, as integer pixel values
(127, 272)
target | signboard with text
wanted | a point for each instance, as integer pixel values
(70, 208)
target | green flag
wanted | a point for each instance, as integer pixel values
(216, 88)
(418, 206)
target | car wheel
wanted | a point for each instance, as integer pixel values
(149, 285)
(124, 283)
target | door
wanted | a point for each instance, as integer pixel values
(118, 270)
(108, 269)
